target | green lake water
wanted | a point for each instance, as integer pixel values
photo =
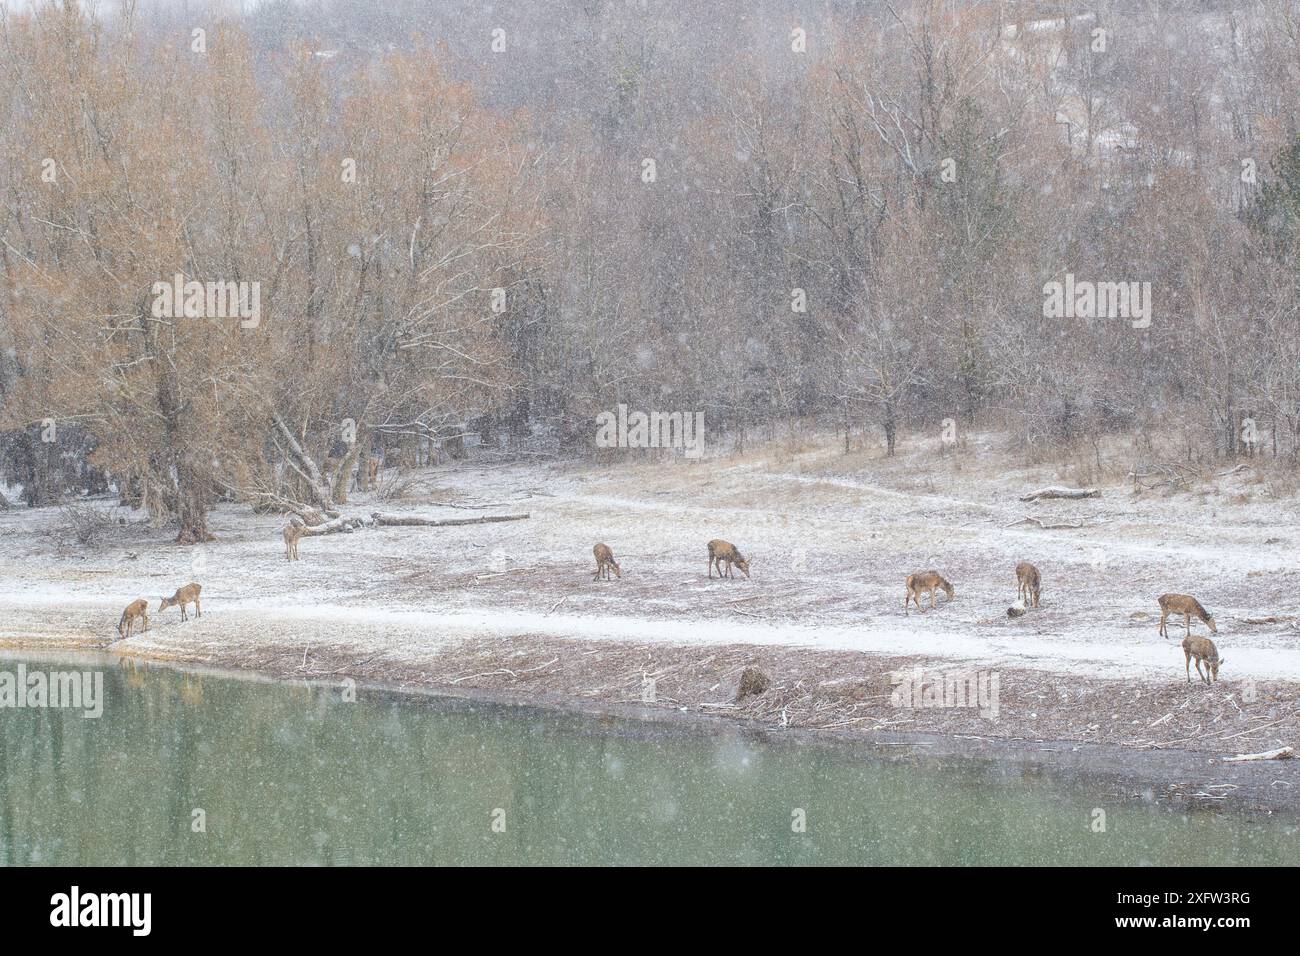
(291, 774)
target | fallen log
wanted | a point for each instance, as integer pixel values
(1281, 753)
(333, 526)
(1233, 471)
(416, 521)
(1046, 527)
(1071, 493)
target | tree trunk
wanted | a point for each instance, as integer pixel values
(343, 477)
(193, 498)
(305, 466)
(415, 521)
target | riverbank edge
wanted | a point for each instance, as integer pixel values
(1177, 779)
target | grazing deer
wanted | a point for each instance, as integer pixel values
(372, 471)
(926, 581)
(292, 532)
(135, 610)
(182, 597)
(1203, 649)
(720, 551)
(604, 562)
(1188, 607)
(1028, 583)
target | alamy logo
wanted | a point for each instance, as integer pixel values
(179, 299)
(76, 690)
(972, 689)
(682, 430)
(103, 909)
(1073, 299)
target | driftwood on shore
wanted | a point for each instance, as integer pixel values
(1071, 493)
(332, 526)
(1281, 753)
(415, 520)
(1045, 527)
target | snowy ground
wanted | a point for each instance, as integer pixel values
(831, 538)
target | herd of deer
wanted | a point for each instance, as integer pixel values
(1029, 585)
(724, 553)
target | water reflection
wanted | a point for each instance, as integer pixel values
(198, 769)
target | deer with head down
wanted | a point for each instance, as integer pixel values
(183, 596)
(926, 581)
(605, 563)
(135, 611)
(1188, 607)
(720, 551)
(1202, 649)
(1028, 583)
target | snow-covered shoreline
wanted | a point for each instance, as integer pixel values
(830, 540)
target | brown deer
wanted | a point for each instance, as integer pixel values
(1028, 583)
(1203, 649)
(292, 532)
(926, 581)
(182, 597)
(1188, 607)
(605, 562)
(136, 610)
(372, 472)
(720, 551)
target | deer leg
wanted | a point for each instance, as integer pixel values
(198, 608)
(1164, 632)
(1187, 623)
(1188, 659)
(710, 566)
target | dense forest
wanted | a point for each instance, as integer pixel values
(501, 222)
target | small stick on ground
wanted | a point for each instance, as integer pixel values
(1281, 753)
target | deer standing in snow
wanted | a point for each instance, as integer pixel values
(1203, 649)
(605, 563)
(1188, 607)
(292, 532)
(183, 596)
(136, 610)
(1028, 583)
(720, 551)
(926, 581)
